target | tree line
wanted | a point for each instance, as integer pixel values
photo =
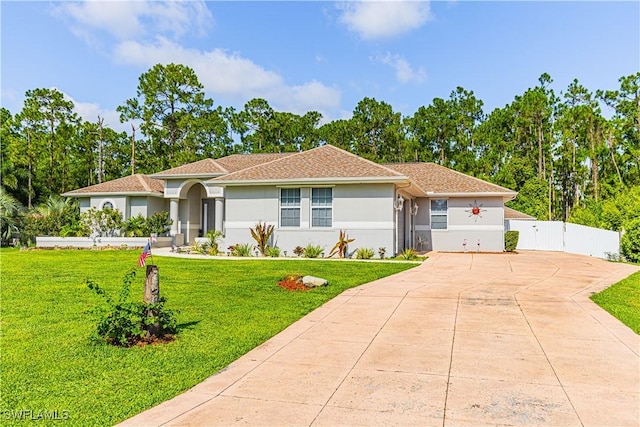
(558, 150)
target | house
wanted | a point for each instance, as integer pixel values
(309, 196)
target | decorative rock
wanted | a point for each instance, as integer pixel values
(314, 282)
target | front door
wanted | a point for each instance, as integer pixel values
(208, 215)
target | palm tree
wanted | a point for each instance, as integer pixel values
(10, 217)
(53, 214)
(54, 205)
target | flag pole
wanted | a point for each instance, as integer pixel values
(151, 252)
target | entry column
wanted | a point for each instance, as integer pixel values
(219, 213)
(174, 205)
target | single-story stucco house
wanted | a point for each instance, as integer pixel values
(310, 196)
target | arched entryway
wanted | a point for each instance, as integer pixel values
(197, 211)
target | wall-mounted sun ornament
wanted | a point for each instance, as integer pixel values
(476, 210)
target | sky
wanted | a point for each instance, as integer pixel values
(314, 55)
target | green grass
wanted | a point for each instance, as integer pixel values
(227, 307)
(622, 300)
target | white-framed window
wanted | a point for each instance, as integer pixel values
(322, 207)
(438, 214)
(290, 207)
(107, 205)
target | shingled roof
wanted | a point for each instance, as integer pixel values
(136, 184)
(210, 168)
(433, 178)
(325, 163)
(206, 167)
(514, 214)
(237, 162)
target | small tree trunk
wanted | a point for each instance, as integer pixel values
(152, 296)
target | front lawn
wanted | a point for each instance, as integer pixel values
(227, 307)
(622, 300)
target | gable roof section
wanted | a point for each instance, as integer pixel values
(237, 162)
(211, 168)
(201, 168)
(133, 184)
(327, 164)
(439, 180)
(514, 214)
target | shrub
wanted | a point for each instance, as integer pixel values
(261, 234)
(273, 251)
(139, 226)
(214, 241)
(298, 250)
(103, 223)
(341, 245)
(313, 251)
(76, 229)
(135, 226)
(630, 242)
(409, 254)
(123, 322)
(241, 249)
(200, 248)
(364, 253)
(511, 240)
(159, 223)
(48, 218)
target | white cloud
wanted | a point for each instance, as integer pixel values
(145, 33)
(230, 75)
(90, 111)
(129, 19)
(404, 72)
(381, 19)
(11, 99)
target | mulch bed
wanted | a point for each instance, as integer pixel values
(292, 285)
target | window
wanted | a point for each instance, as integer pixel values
(290, 207)
(321, 207)
(438, 214)
(107, 205)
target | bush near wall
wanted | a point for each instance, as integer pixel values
(511, 240)
(630, 242)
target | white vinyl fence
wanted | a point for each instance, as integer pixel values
(565, 237)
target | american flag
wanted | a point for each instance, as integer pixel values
(143, 256)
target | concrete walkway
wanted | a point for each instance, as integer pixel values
(462, 340)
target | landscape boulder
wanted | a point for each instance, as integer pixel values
(314, 282)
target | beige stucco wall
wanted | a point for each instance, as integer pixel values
(365, 211)
(119, 203)
(128, 205)
(486, 228)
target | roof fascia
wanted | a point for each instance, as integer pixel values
(187, 175)
(115, 193)
(510, 195)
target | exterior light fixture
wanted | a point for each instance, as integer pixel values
(398, 203)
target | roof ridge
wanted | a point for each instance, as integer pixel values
(208, 160)
(143, 181)
(263, 164)
(473, 177)
(215, 162)
(380, 165)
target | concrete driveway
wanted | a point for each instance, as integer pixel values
(462, 340)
